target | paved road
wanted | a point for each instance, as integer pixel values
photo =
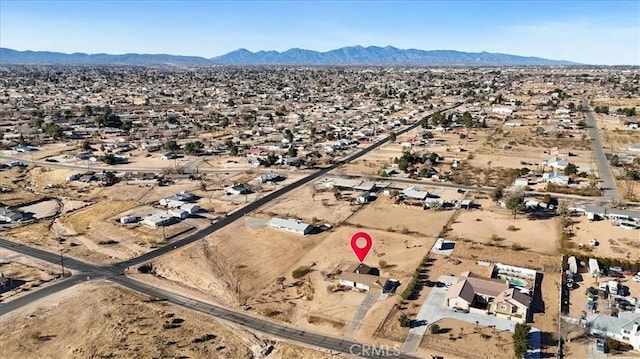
(481, 189)
(115, 274)
(604, 171)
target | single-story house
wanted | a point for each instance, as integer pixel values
(521, 182)
(291, 225)
(625, 327)
(412, 192)
(128, 219)
(10, 215)
(156, 220)
(238, 188)
(191, 208)
(556, 162)
(364, 197)
(269, 177)
(466, 203)
(556, 178)
(172, 202)
(471, 291)
(361, 276)
(178, 213)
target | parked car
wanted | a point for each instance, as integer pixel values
(594, 243)
(460, 310)
(615, 269)
(615, 274)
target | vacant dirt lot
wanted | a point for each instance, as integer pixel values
(100, 320)
(24, 272)
(615, 241)
(468, 341)
(382, 214)
(497, 227)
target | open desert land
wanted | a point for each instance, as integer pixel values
(384, 215)
(24, 273)
(494, 226)
(312, 204)
(242, 263)
(614, 241)
(101, 320)
(466, 340)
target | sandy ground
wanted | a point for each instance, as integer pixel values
(465, 340)
(484, 225)
(311, 205)
(103, 320)
(382, 214)
(20, 268)
(615, 241)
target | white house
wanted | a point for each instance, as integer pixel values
(556, 162)
(412, 192)
(238, 188)
(625, 327)
(156, 220)
(172, 202)
(191, 208)
(291, 225)
(556, 178)
(128, 219)
(363, 197)
(178, 213)
(521, 182)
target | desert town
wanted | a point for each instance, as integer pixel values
(208, 211)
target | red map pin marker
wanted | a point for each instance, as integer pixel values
(361, 253)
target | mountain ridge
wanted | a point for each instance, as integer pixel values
(351, 55)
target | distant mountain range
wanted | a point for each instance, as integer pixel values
(354, 55)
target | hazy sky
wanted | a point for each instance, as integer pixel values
(593, 32)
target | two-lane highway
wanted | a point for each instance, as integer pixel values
(609, 186)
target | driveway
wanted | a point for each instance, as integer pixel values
(435, 308)
(364, 307)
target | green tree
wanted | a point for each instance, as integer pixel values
(404, 320)
(54, 130)
(292, 152)
(193, 147)
(521, 339)
(467, 120)
(171, 146)
(392, 136)
(570, 169)
(109, 159)
(86, 145)
(497, 194)
(515, 204)
(109, 178)
(288, 135)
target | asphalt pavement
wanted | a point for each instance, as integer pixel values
(609, 186)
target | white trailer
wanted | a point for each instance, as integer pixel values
(439, 243)
(594, 267)
(573, 264)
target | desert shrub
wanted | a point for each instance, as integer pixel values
(300, 272)
(512, 228)
(517, 247)
(435, 329)
(404, 320)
